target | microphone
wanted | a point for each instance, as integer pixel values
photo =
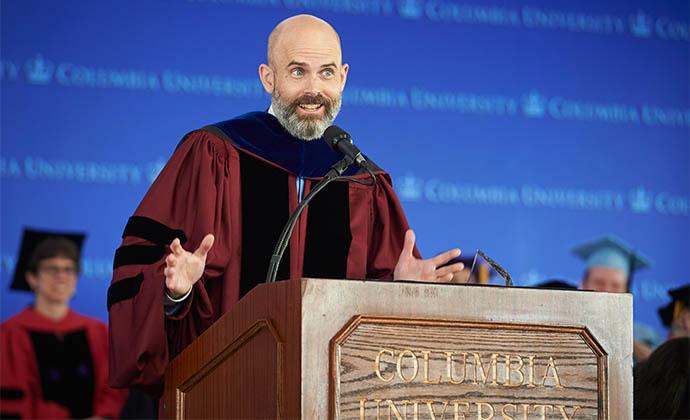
(341, 142)
(333, 136)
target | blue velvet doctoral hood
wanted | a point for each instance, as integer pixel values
(262, 134)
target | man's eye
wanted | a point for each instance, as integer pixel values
(328, 73)
(297, 72)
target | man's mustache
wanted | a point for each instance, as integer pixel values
(311, 100)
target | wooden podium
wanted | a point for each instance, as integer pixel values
(317, 349)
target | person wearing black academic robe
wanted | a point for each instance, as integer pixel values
(55, 369)
(239, 180)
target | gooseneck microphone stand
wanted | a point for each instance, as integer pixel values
(284, 239)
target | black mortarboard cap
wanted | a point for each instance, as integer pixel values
(31, 238)
(465, 259)
(680, 298)
(556, 284)
(482, 272)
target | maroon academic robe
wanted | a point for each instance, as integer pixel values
(240, 181)
(56, 369)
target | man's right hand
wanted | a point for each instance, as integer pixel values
(184, 268)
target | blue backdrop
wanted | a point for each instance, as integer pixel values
(521, 128)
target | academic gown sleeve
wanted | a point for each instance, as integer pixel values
(191, 197)
(386, 227)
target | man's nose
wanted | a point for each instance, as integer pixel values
(312, 85)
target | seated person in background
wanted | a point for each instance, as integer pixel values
(474, 271)
(556, 284)
(610, 267)
(661, 382)
(676, 315)
(54, 360)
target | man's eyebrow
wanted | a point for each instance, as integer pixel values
(303, 64)
(297, 63)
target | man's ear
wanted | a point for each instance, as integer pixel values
(343, 76)
(685, 319)
(267, 78)
(31, 279)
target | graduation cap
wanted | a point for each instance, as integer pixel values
(611, 252)
(680, 298)
(556, 284)
(31, 239)
(482, 273)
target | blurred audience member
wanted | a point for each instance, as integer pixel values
(475, 270)
(610, 267)
(54, 361)
(662, 382)
(556, 284)
(676, 315)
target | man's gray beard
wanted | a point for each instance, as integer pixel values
(307, 129)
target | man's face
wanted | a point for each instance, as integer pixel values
(305, 78)
(605, 279)
(55, 280)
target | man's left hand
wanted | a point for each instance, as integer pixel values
(410, 267)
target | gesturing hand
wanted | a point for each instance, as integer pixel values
(184, 268)
(410, 267)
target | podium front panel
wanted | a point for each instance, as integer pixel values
(241, 381)
(424, 368)
(566, 354)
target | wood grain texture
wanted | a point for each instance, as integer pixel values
(257, 352)
(274, 346)
(577, 361)
(246, 365)
(329, 305)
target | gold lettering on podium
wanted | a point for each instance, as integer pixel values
(509, 369)
(452, 374)
(507, 416)
(450, 370)
(531, 384)
(377, 364)
(551, 366)
(462, 410)
(480, 411)
(514, 372)
(542, 408)
(394, 409)
(432, 413)
(415, 364)
(565, 415)
(479, 371)
(458, 413)
(426, 369)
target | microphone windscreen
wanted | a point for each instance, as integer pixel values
(333, 135)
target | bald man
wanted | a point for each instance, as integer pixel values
(304, 75)
(204, 233)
